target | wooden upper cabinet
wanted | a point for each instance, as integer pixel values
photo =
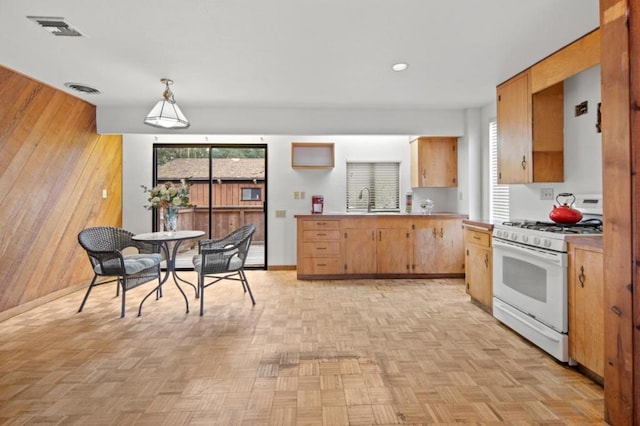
(305, 155)
(434, 162)
(531, 114)
(514, 130)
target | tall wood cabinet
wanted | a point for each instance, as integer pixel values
(479, 265)
(586, 305)
(434, 162)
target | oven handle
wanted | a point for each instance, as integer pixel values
(546, 256)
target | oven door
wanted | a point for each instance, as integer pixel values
(533, 281)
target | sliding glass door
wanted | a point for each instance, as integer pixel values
(228, 189)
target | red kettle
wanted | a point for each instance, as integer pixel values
(565, 213)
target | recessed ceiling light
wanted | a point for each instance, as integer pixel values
(400, 66)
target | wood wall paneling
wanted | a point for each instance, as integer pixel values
(618, 232)
(634, 64)
(53, 167)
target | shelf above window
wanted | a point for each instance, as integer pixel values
(312, 155)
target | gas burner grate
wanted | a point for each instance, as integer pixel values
(589, 226)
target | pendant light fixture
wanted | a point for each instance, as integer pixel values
(166, 113)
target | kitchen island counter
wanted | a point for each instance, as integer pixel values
(379, 245)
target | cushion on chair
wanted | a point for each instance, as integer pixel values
(234, 264)
(133, 263)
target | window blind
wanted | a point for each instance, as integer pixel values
(381, 178)
(498, 194)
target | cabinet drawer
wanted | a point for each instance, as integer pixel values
(320, 224)
(477, 237)
(321, 249)
(320, 235)
(321, 266)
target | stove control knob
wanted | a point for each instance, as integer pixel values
(547, 243)
(499, 233)
(525, 238)
(514, 236)
(536, 241)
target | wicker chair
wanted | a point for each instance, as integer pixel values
(223, 259)
(104, 246)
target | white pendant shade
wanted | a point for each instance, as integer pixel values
(166, 114)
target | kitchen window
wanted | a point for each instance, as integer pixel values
(375, 183)
(498, 194)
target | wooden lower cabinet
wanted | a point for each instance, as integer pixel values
(438, 246)
(586, 307)
(479, 265)
(377, 246)
(371, 245)
(319, 250)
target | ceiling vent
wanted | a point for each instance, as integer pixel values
(83, 88)
(56, 26)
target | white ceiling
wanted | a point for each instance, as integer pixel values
(290, 53)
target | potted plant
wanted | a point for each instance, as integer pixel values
(170, 197)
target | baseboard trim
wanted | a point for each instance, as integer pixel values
(17, 310)
(281, 268)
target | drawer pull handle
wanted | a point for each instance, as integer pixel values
(475, 237)
(322, 264)
(321, 235)
(321, 248)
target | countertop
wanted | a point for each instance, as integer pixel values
(479, 223)
(341, 215)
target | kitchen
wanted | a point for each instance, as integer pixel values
(473, 125)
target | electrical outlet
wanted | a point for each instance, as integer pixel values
(302, 195)
(296, 195)
(281, 213)
(546, 194)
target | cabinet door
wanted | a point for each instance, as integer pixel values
(514, 130)
(424, 247)
(359, 251)
(586, 309)
(434, 162)
(438, 246)
(450, 246)
(478, 272)
(393, 250)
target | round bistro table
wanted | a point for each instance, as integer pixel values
(164, 238)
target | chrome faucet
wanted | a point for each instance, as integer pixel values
(368, 198)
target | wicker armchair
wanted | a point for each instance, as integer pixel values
(223, 259)
(104, 246)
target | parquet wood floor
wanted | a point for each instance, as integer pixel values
(363, 352)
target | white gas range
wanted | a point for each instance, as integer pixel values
(530, 275)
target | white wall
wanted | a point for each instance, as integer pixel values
(582, 151)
